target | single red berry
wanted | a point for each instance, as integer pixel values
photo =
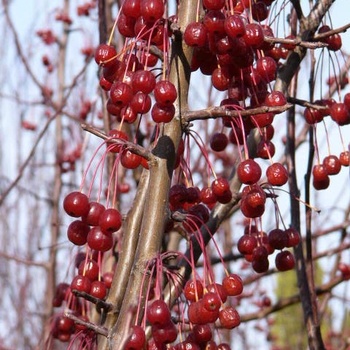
(77, 232)
(76, 204)
(130, 160)
(151, 10)
(202, 333)
(320, 177)
(158, 313)
(233, 284)
(97, 240)
(110, 221)
(211, 301)
(218, 141)
(196, 34)
(193, 290)
(344, 158)
(98, 289)
(293, 237)
(89, 269)
(165, 93)
(332, 164)
(144, 81)
(278, 239)
(81, 283)
(284, 261)
(137, 339)
(246, 244)
(105, 55)
(277, 174)
(162, 113)
(249, 172)
(340, 113)
(93, 216)
(234, 26)
(229, 317)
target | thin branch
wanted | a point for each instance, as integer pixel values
(219, 112)
(132, 147)
(97, 329)
(289, 301)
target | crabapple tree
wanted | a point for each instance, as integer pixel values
(197, 152)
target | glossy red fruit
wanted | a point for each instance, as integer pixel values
(120, 93)
(266, 66)
(98, 289)
(275, 98)
(211, 301)
(217, 288)
(196, 34)
(130, 160)
(259, 11)
(193, 290)
(312, 115)
(277, 174)
(162, 113)
(344, 158)
(249, 172)
(93, 216)
(89, 269)
(131, 8)
(126, 25)
(97, 240)
(158, 313)
(332, 164)
(141, 103)
(202, 333)
(76, 204)
(165, 93)
(265, 149)
(234, 26)
(81, 283)
(246, 244)
(340, 113)
(214, 22)
(137, 339)
(285, 261)
(250, 211)
(233, 284)
(254, 35)
(144, 81)
(220, 186)
(105, 55)
(320, 177)
(165, 333)
(229, 317)
(278, 239)
(213, 4)
(77, 232)
(151, 10)
(64, 324)
(293, 237)
(110, 221)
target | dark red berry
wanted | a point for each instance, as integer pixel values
(76, 204)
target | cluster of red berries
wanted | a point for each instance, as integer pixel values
(331, 165)
(96, 224)
(205, 306)
(89, 281)
(257, 245)
(84, 9)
